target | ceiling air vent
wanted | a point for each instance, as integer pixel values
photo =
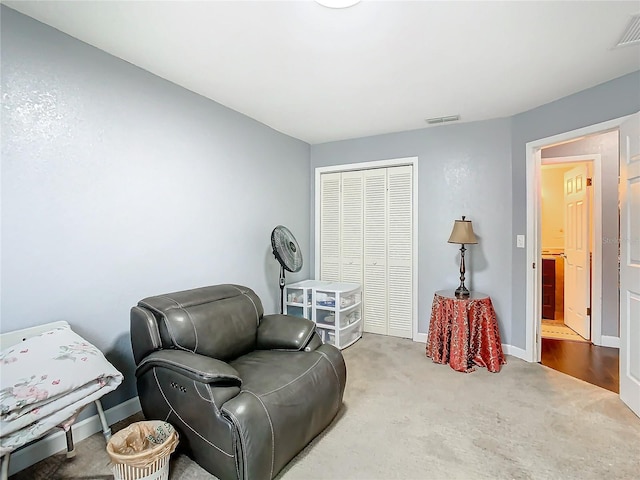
(439, 120)
(631, 35)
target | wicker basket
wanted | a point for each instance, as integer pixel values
(141, 451)
(158, 470)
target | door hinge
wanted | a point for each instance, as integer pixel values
(589, 182)
(588, 311)
(533, 265)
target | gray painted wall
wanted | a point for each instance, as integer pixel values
(614, 99)
(463, 169)
(606, 145)
(478, 169)
(117, 185)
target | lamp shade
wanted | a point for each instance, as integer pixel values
(462, 232)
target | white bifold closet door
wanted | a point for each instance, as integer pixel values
(399, 251)
(331, 188)
(366, 237)
(351, 228)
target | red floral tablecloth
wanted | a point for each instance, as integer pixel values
(464, 332)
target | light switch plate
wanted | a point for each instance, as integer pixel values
(520, 241)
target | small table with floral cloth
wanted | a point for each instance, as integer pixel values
(464, 332)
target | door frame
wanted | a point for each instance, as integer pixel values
(595, 217)
(533, 281)
(393, 162)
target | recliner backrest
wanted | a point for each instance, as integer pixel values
(220, 321)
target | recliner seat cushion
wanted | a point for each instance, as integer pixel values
(288, 395)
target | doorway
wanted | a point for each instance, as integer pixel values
(565, 347)
(566, 290)
(586, 352)
(598, 144)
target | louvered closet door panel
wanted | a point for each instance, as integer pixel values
(351, 230)
(399, 251)
(375, 251)
(330, 226)
(374, 295)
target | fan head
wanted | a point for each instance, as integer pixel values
(286, 249)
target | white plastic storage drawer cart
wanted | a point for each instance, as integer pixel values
(336, 308)
(299, 299)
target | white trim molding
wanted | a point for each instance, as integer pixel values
(420, 337)
(56, 442)
(514, 351)
(609, 341)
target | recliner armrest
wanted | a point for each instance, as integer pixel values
(192, 365)
(284, 332)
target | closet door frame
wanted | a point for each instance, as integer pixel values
(395, 162)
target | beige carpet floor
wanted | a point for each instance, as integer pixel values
(405, 417)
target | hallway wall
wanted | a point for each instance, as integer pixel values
(552, 214)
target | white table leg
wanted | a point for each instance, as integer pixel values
(106, 430)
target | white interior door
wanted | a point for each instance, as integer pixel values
(630, 263)
(576, 249)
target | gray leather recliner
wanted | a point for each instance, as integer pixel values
(246, 391)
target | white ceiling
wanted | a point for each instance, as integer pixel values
(321, 74)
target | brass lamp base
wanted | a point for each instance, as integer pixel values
(462, 291)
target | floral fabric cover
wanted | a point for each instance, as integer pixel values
(46, 380)
(464, 333)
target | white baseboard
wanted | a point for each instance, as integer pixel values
(608, 341)
(507, 349)
(515, 351)
(56, 442)
(420, 337)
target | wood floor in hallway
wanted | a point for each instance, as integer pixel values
(596, 365)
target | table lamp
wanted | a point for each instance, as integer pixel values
(462, 234)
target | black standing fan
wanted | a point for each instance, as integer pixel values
(287, 252)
